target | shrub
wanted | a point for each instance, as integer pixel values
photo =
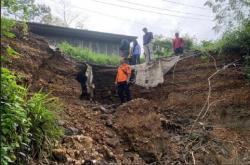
(25, 122)
(162, 46)
(15, 123)
(237, 40)
(42, 111)
(87, 55)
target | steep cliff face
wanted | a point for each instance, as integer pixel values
(163, 125)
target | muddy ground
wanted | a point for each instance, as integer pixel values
(158, 126)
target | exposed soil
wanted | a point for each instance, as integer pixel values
(154, 128)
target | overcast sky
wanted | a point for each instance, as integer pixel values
(163, 17)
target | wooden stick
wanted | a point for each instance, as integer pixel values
(192, 153)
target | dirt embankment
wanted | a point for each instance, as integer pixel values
(157, 128)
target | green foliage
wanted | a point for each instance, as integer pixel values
(237, 41)
(11, 51)
(162, 46)
(229, 13)
(188, 42)
(25, 122)
(42, 111)
(25, 10)
(14, 121)
(87, 55)
(6, 25)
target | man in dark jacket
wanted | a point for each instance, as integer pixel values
(124, 48)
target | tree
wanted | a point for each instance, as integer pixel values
(52, 20)
(81, 23)
(229, 13)
(40, 11)
(162, 46)
(188, 42)
(25, 10)
(69, 16)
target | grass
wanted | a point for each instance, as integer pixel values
(28, 125)
(84, 54)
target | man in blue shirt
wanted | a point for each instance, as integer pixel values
(136, 52)
(148, 45)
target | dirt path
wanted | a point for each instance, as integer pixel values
(155, 128)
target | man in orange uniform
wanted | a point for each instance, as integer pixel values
(122, 80)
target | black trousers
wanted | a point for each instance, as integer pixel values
(123, 91)
(178, 51)
(84, 91)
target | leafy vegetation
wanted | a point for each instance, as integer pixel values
(14, 120)
(42, 112)
(87, 55)
(234, 17)
(229, 13)
(26, 10)
(237, 41)
(28, 125)
(162, 46)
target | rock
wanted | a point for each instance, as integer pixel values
(101, 162)
(61, 122)
(109, 123)
(95, 108)
(109, 134)
(104, 116)
(71, 131)
(103, 109)
(79, 142)
(86, 141)
(109, 154)
(112, 142)
(177, 138)
(88, 162)
(59, 155)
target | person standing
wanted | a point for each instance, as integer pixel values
(178, 44)
(136, 52)
(122, 81)
(148, 45)
(124, 48)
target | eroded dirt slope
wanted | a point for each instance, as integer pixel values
(157, 128)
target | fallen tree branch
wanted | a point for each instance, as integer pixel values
(204, 110)
(210, 105)
(207, 104)
(192, 153)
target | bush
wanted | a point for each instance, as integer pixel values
(42, 111)
(25, 122)
(188, 42)
(237, 41)
(162, 46)
(87, 55)
(15, 123)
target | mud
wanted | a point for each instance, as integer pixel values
(154, 128)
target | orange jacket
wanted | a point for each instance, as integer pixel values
(123, 73)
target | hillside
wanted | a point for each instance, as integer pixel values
(159, 126)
